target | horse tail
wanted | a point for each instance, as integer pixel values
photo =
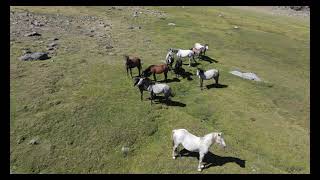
(172, 137)
(171, 93)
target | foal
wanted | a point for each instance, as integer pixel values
(156, 69)
(210, 74)
(132, 62)
(195, 144)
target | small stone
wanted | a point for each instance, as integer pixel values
(171, 24)
(125, 150)
(53, 39)
(34, 141)
(108, 46)
(34, 56)
(52, 44)
(236, 27)
(21, 139)
(33, 34)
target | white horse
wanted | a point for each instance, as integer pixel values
(210, 74)
(194, 143)
(202, 48)
(186, 53)
(155, 88)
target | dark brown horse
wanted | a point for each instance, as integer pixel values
(156, 69)
(132, 62)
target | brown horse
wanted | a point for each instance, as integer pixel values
(156, 69)
(132, 62)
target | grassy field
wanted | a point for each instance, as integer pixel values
(83, 109)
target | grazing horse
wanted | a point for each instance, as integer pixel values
(202, 48)
(186, 53)
(132, 62)
(210, 74)
(145, 84)
(194, 143)
(156, 69)
(142, 86)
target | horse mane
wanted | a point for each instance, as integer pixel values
(200, 70)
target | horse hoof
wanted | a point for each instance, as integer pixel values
(173, 157)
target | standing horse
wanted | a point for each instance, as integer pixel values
(145, 84)
(194, 143)
(210, 74)
(142, 86)
(202, 48)
(132, 62)
(186, 53)
(156, 69)
(170, 58)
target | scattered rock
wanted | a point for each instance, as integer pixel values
(249, 75)
(20, 139)
(135, 14)
(125, 150)
(171, 24)
(34, 56)
(34, 141)
(130, 27)
(36, 23)
(108, 46)
(52, 44)
(53, 39)
(33, 34)
(50, 48)
(235, 27)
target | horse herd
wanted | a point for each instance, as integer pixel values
(179, 136)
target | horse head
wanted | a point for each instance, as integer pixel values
(217, 138)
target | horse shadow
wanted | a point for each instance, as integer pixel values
(162, 100)
(211, 159)
(170, 80)
(217, 86)
(208, 59)
(185, 74)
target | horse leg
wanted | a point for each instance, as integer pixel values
(200, 166)
(189, 61)
(217, 79)
(130, 72)
(201, 82)
(165, 76)
(174, 149)
(139, 71)
(151, 97)
(154, 77)
(141, 93)
(127, 71)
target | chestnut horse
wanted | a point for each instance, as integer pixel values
(156, 69)
(132, 62)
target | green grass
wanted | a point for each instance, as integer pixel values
(83, 107)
